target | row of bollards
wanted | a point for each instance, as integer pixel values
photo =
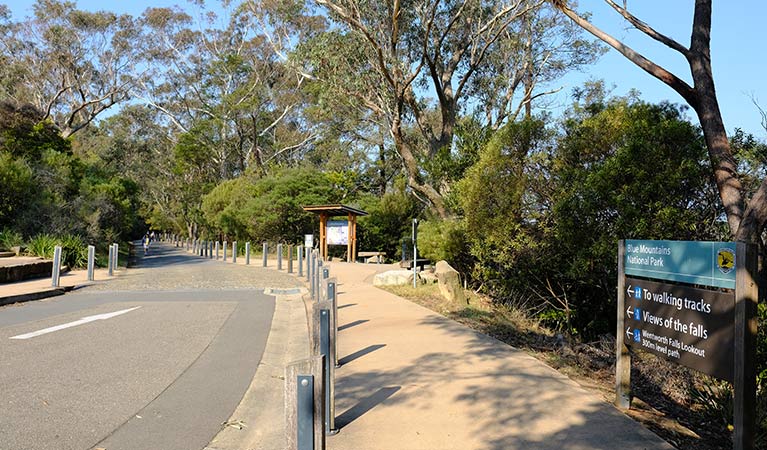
(112, 261)
(213, 250)
(311, 408)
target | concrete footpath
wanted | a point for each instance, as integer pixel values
(39, 288)
(411, 379)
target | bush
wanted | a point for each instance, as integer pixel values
(42, 246)
(715, 400)
(16, 181)
(267, 208)
(445, 239)
(10, 239)
(389, 219)
(74, 251)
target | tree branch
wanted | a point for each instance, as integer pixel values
(291, 147)
(355, 23)
(676, 83)
(647, 29)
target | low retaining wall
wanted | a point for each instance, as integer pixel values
(9, 274)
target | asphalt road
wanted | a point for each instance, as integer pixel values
(133, 368)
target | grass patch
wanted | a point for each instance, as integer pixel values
(505, 323)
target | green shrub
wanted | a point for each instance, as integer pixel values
(389, 219)
(10, 239)
(445, 239)
(42, 245)
(715, 399)
(74, 251)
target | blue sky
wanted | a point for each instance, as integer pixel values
(736, 50)
(737, 54)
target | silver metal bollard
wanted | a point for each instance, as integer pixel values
(56, 273)
(234, 252)
(311, 276)
(317, 278)
(300, 255)
(217, 245)
(308, 254)
(265, 252)
(279, 256)
(110, 261)
(225, 246)
(116, 256)
(247, 253)
(91, 262)
(290, 258)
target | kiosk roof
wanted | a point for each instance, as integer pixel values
(335, 210)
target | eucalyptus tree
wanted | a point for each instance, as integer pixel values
(746, 219)
(71, 64)
(417, 66)
(225, 81)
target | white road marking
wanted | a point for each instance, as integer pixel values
(74, 324)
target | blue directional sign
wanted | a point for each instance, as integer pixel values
(693, 262)
(690, 326)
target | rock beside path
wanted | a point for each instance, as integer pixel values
(393, 278)
(449, 281)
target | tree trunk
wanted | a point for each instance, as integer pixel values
(413, 174)
(707, 108)
(722, 163)
(744, 226)
(381, 168)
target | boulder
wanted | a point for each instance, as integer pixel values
(449, 282)
(428, 277)
(393, 278)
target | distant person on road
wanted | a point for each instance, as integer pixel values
(152, 236)
(146, 242)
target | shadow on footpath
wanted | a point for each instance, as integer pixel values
(352, 324)
(514, 401)
(365, 405)
(359, 354)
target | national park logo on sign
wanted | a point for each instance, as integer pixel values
(725, 260)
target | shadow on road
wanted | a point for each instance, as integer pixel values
(160, 255)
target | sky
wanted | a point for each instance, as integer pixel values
(737, 51)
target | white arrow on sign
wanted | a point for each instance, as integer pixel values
(75, 323)
(629, 312)
(629, 333)
(629, 291)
